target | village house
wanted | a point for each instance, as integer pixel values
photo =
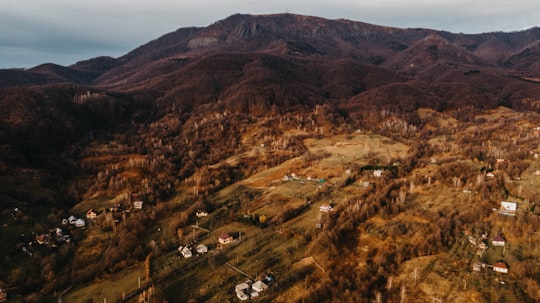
(72, 219)
(241, 290)
(201, 213)
(477, 266)
(91, 214)
(259, 286)
(225, 238)
(508, 208)
(138, 204)
(186, 252)
(326, 208)
(500, 267)
(79, 223)
(498, 241)
(201, 249)
(378, 173)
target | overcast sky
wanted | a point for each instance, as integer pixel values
(66, 31)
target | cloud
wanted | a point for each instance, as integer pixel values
(66, 31)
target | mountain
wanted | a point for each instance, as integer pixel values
(262, 121)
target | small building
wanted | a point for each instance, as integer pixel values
(500, 267)
(378, 173)
(3, 295)
(72, 219)
(259, 286)
(201, 249)
(80, 223)
(138, 204)
(326, 208)
(91, 214)
(537, 172)
(508, 208)
(477, 266)
(498, 241)
(201, 213)
(241, 291)
(186, 252)
(225, 238)
(490, 175)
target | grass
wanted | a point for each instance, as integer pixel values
(110, 289)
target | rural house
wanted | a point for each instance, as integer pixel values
(186, 252)
(259, 286)
(201, 249)
(498, 241)
(201, 213)
(500, 267)
(225, 239)
(138, 204)
(508, 208)
(326, 208)
(79, 223)
(91, 214)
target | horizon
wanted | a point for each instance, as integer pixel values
(65, 33)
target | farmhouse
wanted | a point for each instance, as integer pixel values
(186, 252)
(500, 267)
(259, 286)
(378, 173)
(326, 208)
(201, 213)
(201, 249)
(498, 241)
(225, 239)
(79, 223)
(241, 290)
(508, 208)
(72, 219)
(138, 204)
(91, 214)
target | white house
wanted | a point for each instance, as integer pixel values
(378, 173)
(500, 267)
(138, 204)
(201, 213)
(508, 208)
(259, 286)
(498, 241)
(72, 219)
(240, 290)
(186, 252)
(79, 223)
(201, 249)
(326, 208)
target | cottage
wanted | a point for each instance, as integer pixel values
(225, 239)
(186, 252)
(91, 214)
(377, 173)
(79, 223)
(138, 204)
(72, 219)
(490, 175)
(201, 213)
(498, 241)
(500, 267)
(477, 266)
(508, 208)
(259, 286)
(201, 249)
(326, 208)
(241, 290)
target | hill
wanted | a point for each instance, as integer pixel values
(348, 161)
